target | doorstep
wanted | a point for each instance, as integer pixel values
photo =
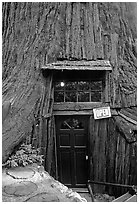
(84, 193)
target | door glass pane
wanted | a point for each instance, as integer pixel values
(66, 124)
(83, 85)
(96, 96)
(59, 86)
(83, 96)
(96, 85)
(77, 124)
(71, 85)
(59, 96)
(70, 96)
(72, 123)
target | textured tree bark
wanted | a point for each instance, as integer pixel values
(40, 32)
(5, 110)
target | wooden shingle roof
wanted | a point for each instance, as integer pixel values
(79, 65)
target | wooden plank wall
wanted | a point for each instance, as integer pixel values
(112, 158)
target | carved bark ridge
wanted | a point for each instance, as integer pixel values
(36, 33)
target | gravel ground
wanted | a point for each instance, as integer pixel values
(103, 197)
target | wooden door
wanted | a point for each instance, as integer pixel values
(72, 151)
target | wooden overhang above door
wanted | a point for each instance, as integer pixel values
(79, 65)
(77, 70)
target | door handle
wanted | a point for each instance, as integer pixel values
(86, 157)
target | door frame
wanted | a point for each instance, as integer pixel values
(88, 139)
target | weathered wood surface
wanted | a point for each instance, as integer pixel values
(94, 63)
(79, 65)
(35, 33)
(112, 157)
(79, 108)
(5, 109)
(123, 198)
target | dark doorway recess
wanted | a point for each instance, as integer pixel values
(72, 150)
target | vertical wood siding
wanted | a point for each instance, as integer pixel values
(112, 158)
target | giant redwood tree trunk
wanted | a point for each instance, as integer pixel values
(38, 33)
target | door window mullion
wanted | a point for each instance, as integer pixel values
(79, 91)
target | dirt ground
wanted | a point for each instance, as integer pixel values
(33, 184)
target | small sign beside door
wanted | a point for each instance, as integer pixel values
(103, 112)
